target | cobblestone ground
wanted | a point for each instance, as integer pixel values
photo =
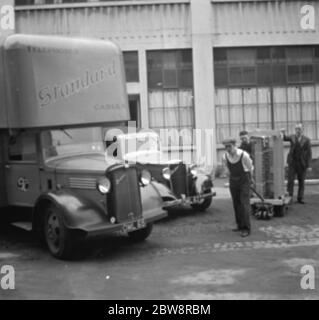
(189, 255)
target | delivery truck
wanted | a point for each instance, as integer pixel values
(58, 95)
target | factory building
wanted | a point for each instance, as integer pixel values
(225, 65)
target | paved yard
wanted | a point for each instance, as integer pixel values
(188, 256)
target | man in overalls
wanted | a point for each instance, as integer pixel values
(240, 167)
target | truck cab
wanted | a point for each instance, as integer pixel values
(60, 95)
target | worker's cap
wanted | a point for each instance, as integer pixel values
(229, 141)
(243, 133)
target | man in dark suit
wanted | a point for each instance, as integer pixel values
(298, 160)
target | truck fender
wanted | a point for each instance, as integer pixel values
(163, 191)
(78, 212)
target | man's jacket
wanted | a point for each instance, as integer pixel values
(304, 155)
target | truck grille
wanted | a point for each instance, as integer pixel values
(179, 179)
(124, 201)
(82, 183)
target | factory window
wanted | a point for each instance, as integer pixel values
(266, 87)
(170, 93)
(131, 66)
(24, 2)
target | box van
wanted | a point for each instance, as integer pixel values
(59, 95)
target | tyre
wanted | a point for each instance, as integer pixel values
(141, 234)
(56, 235)
(203, 205)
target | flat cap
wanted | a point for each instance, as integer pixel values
(229, 141)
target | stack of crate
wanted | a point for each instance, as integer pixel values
(267, 153)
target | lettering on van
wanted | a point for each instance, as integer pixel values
(23, 184)
(42, 49)
(109, 106)
(51, 94)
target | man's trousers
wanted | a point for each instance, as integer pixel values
(294, 170)
(241, 204)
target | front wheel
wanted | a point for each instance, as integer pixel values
(141, 234)
(57, 236)
(203, 204)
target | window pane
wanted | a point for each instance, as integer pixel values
(25, 2)
(154, 60)
(307, 73)
(155, 79)
(264, 74)
(169, 60)
(185, 59)
(220, 74)
(299, 54)
(156, 118)
(293, 74)
(185, 78)
(249, 75)
(170, 79)
(220, 56)
(22, 147)
(279, 74)
(242, 56)
(263, 55)
(235, 75)
(131, 66)
(278, 54)
(316, 66)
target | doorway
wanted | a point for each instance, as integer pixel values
(134, 105)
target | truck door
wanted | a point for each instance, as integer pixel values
(22, 170)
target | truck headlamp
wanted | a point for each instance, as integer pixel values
(166, 173)
(145, 177)
(104, 185)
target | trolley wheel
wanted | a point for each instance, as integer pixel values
(279, 211)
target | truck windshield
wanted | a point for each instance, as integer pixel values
(71, 141)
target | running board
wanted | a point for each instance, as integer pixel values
(25, 225)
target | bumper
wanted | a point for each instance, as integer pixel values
(106, 227)
(188, 200)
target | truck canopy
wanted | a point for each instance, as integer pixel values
(53, 81)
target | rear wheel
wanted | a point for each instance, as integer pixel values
(141, 234)
(203, 204)
(57, 236)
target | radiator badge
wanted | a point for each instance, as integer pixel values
(119, 180)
